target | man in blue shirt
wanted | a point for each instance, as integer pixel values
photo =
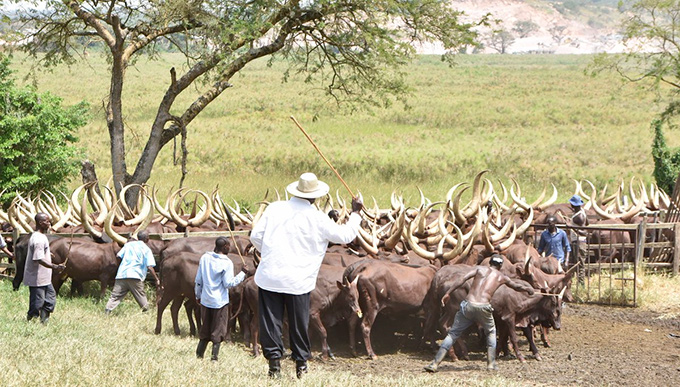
(554, 241)
(214, 277)
(135, 259)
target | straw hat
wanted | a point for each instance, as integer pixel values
(308, 187)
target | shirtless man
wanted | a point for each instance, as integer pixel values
(476, 308)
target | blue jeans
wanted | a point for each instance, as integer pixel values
(471, 313)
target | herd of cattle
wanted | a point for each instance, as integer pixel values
(402, 263)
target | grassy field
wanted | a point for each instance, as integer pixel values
(537, 119)
(82, 346)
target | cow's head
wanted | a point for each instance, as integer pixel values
(349, 294)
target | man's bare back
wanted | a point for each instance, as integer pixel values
(487, 279)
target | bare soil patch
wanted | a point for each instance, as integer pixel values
(596, 346)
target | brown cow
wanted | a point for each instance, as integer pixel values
(329, 303)
(85, 260)
(389, 287)
(178, 275)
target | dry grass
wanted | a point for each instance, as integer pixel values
(82, 346)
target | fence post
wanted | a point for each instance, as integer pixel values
(676, 250)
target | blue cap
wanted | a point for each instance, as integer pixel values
(576, 201)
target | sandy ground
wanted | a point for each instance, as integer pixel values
(596, 346)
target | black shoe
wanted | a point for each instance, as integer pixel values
(274, 368)
(300, 368)
(44, 316)
(215, 351)
(200, 350)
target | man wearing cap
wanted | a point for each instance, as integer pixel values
(554, 241)
(476, 308)
(292, 237)
(578, 237)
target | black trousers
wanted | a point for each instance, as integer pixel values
(271, 308)
(41, 298)
(214, 324)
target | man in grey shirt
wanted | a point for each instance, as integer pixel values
(38, 271)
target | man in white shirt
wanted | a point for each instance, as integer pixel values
(214, 277)
(292, 237)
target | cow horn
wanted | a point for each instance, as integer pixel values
(161, 210)
(108, 227)
(564, 289)
(127, 212)
(416, 247)
(356, 279)
(202, 216)
(596, 207)
(74, 199)
(99, 202)
(85, 220)
(540, 198)
(551, 200)
(473, 206)
(458, 248)
(527, 256)
(63, 219)
(395, 233)
(515, 197)
(511, 239)
(503, 232)
(458, 214)
(626, 217)
(449, 195)
(486, 240)
(527, 223)
(172, 209)
(147, 208)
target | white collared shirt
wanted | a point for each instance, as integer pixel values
(292, 237)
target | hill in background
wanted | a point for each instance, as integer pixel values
(545, 26)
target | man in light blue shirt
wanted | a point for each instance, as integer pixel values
(214, 277)
(135, 259)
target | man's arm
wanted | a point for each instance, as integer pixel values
(518, 286)
(198, 282)
(155, 276)
(6, 251)
(456, 285)
(541, 245)
(228, 278)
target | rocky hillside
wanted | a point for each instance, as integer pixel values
(546, 26)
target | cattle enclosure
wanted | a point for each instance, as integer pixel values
(608, 272)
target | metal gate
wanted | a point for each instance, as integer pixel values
(611, 256)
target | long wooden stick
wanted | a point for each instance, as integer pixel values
(322, 156)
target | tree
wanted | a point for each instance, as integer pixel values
(652, 56)
(524, 28)
(666, 160)
(558, 33)
(37, 150)
(354, 48)
(500, 40)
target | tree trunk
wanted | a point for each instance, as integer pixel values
(114, 120)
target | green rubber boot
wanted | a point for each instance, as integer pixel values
(432, 367)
